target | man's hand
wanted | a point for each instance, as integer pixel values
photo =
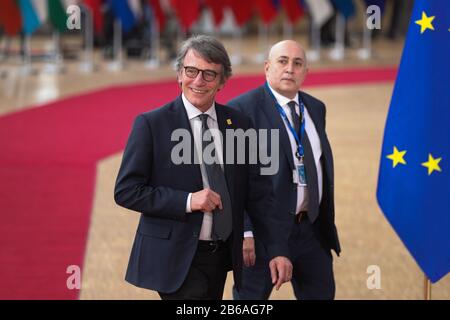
(280, 270)
(248, 251)
(205, 200)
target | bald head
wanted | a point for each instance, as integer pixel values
(286, 68)
(284, 46)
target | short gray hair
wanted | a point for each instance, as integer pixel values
(210, 49)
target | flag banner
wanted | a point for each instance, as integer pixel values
(30, 20)
(187, 12)
(242, 10)
(216, 7)
(57, 15)
(122, 11)
(293, 10)
(320, 11)
(414, 178)
(380, 3)
(345, 7)
(266, 10)
(158, 13)
(10, 18)
(95, 7)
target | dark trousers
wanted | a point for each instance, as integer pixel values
(312, 277)
(207, 274)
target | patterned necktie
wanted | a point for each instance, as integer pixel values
(222, 219)
(310, 166)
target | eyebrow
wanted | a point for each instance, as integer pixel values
(296, 58)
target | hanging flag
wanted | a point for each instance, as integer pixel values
(414, 178)
(41, 9)
(121, 10)
(95, 7)
(216, 7)
(266, 10)
(158, 12)
(345, 7)
(293, 10)
(187, 12)
(320, 11)
(30, 20)
(57, 15)
(242, 10)
(379, 3)
(136, 8)
(10, 18)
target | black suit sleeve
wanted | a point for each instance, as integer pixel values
(248, 226)
(134, 189)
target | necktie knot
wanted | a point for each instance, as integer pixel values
(295, 117)
(204, 118)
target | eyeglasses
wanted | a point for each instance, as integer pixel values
(207, 75)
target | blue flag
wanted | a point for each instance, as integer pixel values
(29, 17)
(414, 178)
(379, 3)
(345, 7)
(122, 11)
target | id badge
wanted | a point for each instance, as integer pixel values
(301, 172)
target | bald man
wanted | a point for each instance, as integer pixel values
(304, 183)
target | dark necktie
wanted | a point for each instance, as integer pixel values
(222, 219)
(310, 166)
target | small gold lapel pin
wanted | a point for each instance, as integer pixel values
(229, 121)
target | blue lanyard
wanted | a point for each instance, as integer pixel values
(300, 153)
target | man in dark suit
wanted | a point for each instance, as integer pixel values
(303, 185)
(192, 215)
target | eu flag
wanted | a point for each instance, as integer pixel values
(414, 178)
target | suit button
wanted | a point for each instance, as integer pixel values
(292, 213)
(195, 234)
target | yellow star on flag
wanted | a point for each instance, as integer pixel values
(432, 164)
(425, 22)
(397, 157)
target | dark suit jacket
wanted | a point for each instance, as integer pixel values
(259, 105)
(150, 183)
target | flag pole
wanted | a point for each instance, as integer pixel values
(236, 57)
(117, 64)
(263, 37)
(287, 29)
(87, 65)
(427, 288)
(153, 61)
(313, 54)
(337, 53)
(365, 52)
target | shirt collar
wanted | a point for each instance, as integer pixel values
(193, 112)
(282, 100)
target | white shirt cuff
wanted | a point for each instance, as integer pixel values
(248, 234)
(188, 203)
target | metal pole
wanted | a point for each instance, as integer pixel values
(337, 53)
(314, 53)
(366, 51)
(87, 65)
(427, 288)
(117, 64)
(153, 61)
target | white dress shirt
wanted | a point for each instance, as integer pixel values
(302, 192)
(196, 126)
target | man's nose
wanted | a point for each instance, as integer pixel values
(199, 78)
(290, 67)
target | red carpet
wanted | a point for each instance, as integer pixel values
(48, 166)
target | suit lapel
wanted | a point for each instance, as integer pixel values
(181, 121)
(276, 122)
(222, 121)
